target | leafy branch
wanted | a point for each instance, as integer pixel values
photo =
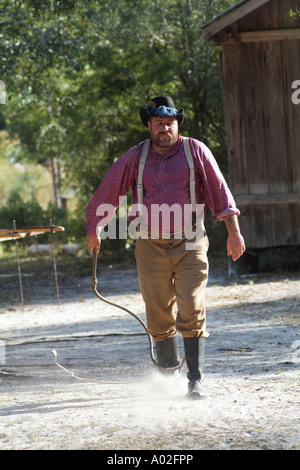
(295, 14)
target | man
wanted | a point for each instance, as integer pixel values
(175, 172)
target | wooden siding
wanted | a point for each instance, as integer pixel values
(272, 15)
(262, 123)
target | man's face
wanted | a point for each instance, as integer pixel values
(163, 131)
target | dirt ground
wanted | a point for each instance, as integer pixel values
(118, 400)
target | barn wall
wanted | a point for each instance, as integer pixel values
(272, 15)
(262, 124)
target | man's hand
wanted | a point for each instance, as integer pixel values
(235, 241)
(235, 246)
(93, 242)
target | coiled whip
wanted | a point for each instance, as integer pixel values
(94, 289)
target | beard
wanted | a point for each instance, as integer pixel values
(164, 139)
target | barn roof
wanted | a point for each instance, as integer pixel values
(229, 16)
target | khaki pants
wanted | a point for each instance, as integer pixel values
(170, 275)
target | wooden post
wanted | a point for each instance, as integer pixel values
(54, 263)
(19, 269)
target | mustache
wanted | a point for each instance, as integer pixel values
(165, 133)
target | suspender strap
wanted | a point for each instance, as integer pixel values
(190, 160)
(140, 176)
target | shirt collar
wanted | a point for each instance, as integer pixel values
(172, 152)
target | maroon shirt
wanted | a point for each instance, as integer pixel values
(165, 181)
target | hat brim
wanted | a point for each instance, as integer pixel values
(145, 116)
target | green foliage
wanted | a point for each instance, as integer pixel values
(77, 72)
(25, 213)
(30, 214)
(295, 14)
(56, 6)
(88, 73)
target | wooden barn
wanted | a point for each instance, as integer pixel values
(260, 62)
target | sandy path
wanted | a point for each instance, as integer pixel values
(252, 369)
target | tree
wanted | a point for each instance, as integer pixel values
(76, 74)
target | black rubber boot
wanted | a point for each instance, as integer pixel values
(194, 356)
(167, 353)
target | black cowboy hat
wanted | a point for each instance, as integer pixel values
(161, 106)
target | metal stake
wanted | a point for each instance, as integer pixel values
(54, 263)
(19, 268)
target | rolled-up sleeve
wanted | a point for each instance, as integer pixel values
(213, 184)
